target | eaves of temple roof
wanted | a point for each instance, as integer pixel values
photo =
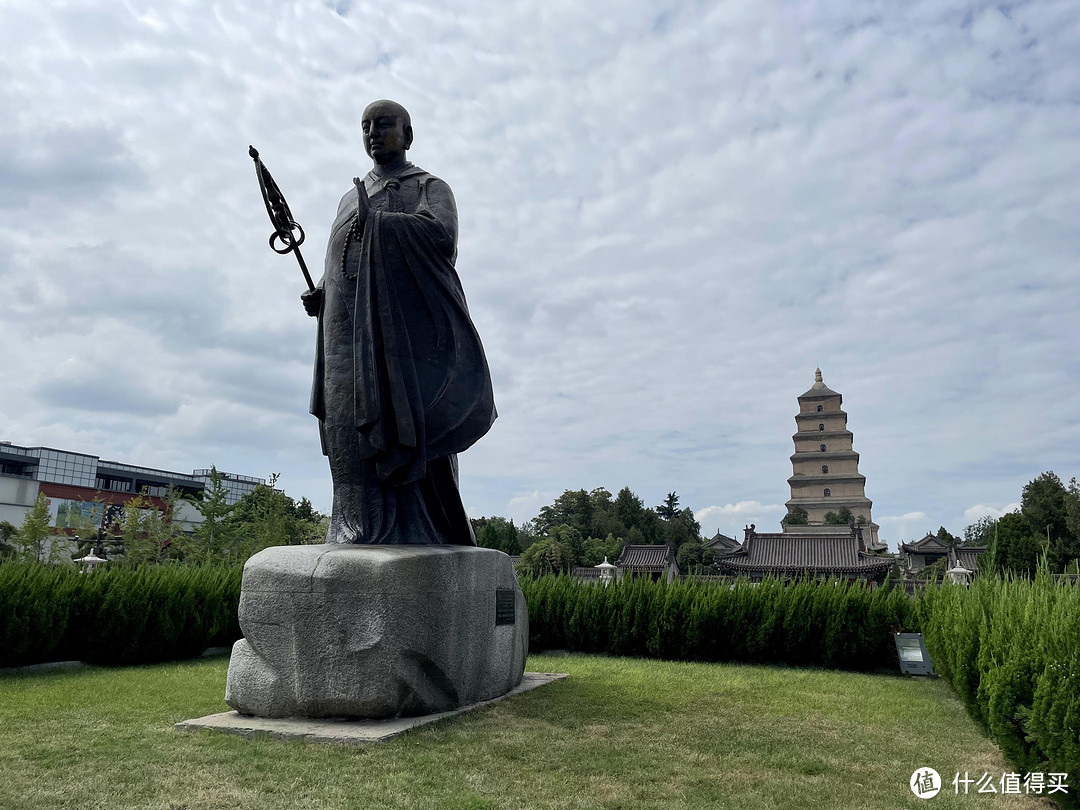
(834, 455)
(825, 434)
(827, 478)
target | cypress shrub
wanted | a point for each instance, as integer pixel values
(115, 615)
(1011, 648)
(33, 611)
(833, 624)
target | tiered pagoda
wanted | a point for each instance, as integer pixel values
(825, 469)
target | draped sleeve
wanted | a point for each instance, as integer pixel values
(422, 385)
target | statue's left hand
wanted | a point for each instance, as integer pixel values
(312, 300)
(363, 206)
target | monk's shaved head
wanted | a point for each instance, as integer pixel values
(387, 132)
(386, 107)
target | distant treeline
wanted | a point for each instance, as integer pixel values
(583, 527)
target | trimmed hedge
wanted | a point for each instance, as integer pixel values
(807, 623)
(1011, 649)
(115, 615)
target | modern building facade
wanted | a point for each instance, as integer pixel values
(825, 467)
(85, 490)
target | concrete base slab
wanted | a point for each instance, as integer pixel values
(339, 730)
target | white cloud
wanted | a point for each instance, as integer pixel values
(731, 518)
(905, 528)
(666, 222)
(978, 511)
(526, 506)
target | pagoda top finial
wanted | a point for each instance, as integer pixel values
(819, 388)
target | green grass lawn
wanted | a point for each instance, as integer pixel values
(620, 733)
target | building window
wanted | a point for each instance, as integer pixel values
(822, 448)
(820, 408)
(821, 426)
(824, 468)
(828, 492)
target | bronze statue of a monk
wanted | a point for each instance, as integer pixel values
(401, 381)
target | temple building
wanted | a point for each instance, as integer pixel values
(916, 557)
(839, 553)
(825, 478)
(650, 562)
(825, 469)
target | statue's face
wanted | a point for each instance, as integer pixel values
(386, 135)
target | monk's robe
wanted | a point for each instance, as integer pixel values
(401, 380)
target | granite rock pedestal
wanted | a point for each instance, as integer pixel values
(376, 631)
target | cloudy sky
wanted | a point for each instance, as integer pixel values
(670, 213)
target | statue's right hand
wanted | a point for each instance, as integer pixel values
(312, 301)
(363, 207)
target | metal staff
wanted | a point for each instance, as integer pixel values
(286, 229)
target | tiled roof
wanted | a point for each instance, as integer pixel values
(928, 545)
(968, 556)
(721, 543)
(585, 572)
(646, 558)
(794, 553)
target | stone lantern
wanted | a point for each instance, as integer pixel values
(607, 572)
(958, 575)
(92, 559)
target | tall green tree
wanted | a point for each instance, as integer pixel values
(266, 517)
(1045, 503)
(595, 550)
(527, 535)
(980, 533)
(642, 525)
(547, 556)
(681, 527)
(570, 537)
(627, 507)
(497, 533)
(1016, 546)
(163, 525)
(1072, 509)
(572, 508)
(689, 556)
(945, 536)
(214, 537)
(7, 533)
(262, 518)
(669, 507)
(34, 540)
(140, 547)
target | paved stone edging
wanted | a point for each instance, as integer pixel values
(351, 732)
(47, 666)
